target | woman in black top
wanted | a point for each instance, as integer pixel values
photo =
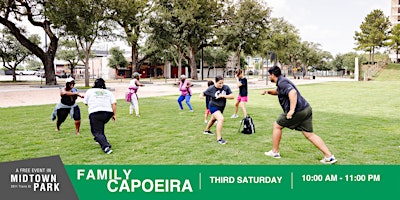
(68, 105)
(218, 94)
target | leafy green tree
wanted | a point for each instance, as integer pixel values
(325, 58)
(132, 16)
(12, 53)
(117, 59)
(84, 21)
(374, 32)
(394, 41)
(200, 19)
(283, 41)
(338, 62)
(213, 57)
(68, 52)
(244, 28)
(168, 30)
(12, 14)
(187, 26)
(349, 60)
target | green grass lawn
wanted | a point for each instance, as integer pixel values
(359, 121)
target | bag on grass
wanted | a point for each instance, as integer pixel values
(248, 125)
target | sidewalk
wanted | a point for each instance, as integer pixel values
(25, 95)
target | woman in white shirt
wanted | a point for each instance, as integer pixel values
(102, 106)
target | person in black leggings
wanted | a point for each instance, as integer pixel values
(68, 105)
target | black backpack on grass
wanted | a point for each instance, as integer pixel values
(248, 125)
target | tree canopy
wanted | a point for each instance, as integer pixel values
(374, 32)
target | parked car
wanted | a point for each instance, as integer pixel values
(40, 73)
(63, 75)
(25, 72)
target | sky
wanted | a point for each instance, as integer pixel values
(332, 24)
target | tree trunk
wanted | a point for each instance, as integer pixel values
(14, 75)
(87, 74)
(49, 71)
(179, 63)
(193, 67)
(46, 57)
(238, 59)
(373, 55)
(135, 56)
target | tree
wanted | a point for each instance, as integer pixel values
(200, 19)
(325, 59)
(283, 42)
(13, 15)
(84, 21)
(394, 42)
(374, 31)
(187, 26)
(131, 15)
(244, 28)
(12, 53)
(68, 52)
(117, 59)
(214, 57)
(168, 31)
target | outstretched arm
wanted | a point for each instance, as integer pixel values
(271, 92)
(138, 83)
(69, 93)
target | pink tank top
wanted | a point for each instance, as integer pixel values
(183, 87)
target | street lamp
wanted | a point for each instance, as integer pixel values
(266, 74)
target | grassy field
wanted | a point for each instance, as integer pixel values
(359, 121)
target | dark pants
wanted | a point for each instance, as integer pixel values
(63, 113)
(98, 121)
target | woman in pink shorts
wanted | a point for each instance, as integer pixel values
(242, 97)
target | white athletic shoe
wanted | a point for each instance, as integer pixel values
(329, 160)
(272, 154)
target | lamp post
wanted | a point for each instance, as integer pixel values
(201, 61)
(248, 63)
(266, 74)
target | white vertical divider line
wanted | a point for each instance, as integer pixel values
(200, 181)
(291, 180)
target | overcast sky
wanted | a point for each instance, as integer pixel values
(332, 23)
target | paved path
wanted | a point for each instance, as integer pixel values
(25, 95)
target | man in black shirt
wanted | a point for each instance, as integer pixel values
(297, 114)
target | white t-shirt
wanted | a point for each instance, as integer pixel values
(99, 99)
(132, 82)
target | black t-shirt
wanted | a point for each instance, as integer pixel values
(243, 87)
(284, 87)
(69, 100)
(214, 92)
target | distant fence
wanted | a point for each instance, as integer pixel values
(321, 73)
(325, 73)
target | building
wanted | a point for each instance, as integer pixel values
(394, 20)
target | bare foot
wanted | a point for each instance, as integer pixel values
(57, 129)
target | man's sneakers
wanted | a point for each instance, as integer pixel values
(329, 160)
(272, 154)
(221, 141)
(107, 150)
